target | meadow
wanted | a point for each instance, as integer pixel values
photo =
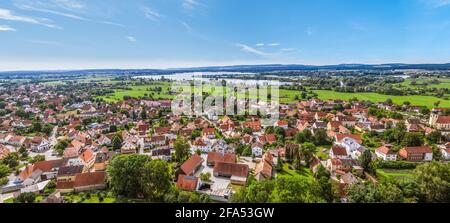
(391, 174)
(375, 97)
(444, 82)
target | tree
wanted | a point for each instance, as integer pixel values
(206, 177)
(247, 130)
(11, 160)
(307, 151)
(156, 179)
(320, 137)
(25, 198)
(38, 158)
(412, 139)
(181, 149)
(365, 160)
(47, 129)
(112, 128)
(4, 170)
(61, 146)
(117, 142)
(125, 173)
(433, 181)
(23, 152)
(434, 137)
(37, 126)
(143, 114)
(279, 166)
(323, 189)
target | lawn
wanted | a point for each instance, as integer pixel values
(303, 172)
(375, 97)
(399, 175)
(79, 198)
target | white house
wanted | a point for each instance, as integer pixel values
(353, 148)
(445, 150)
(39, 144)
(385, 153)
(257, 149)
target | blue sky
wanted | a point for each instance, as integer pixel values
(73, 34)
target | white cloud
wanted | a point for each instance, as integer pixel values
(45, 42)
(288, 49)
(189, 4)
(6, 14)
(6, 28)
(186, 26)
(69, 4)
(273, 44)
(151, 14)
(249, 49)
(32, 8)
(436, 3)
(259, 44)
(113, 24)
(131, 39)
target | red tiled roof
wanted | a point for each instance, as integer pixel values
(187, 183)
(385, 150)
(339, 151)
(191, 164)
(443, 120)
(356, 137)
(233, 169)
(417, 149)
(220, 157)
(89, 179)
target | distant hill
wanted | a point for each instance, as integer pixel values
(239, 68)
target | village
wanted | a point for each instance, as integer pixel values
(55, 145)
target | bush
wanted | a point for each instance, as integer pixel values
(399, 165)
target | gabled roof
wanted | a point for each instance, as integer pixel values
(191, 164)
(221, 157)
(339, 151)
(233, 169)
(89, 179)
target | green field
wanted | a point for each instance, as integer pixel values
(399, 175)
(444, 82)
(375, 97)
(286, 96)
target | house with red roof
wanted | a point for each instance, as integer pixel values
(188, 183)
(385, 153)
(191, 166)
(416, 154)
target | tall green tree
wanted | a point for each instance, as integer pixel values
(433, 181)
(125, 174)
(181, 148)
(307, 151)
(156, 179)
(117, 142)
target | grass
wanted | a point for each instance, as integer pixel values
(444, 82)
(322, 155)
(394, 174)
(375, 97)
(303, 172)
(77, 198)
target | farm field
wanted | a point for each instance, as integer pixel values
(375, 97)
(400, 175)
(286, 96)
(444, 82)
